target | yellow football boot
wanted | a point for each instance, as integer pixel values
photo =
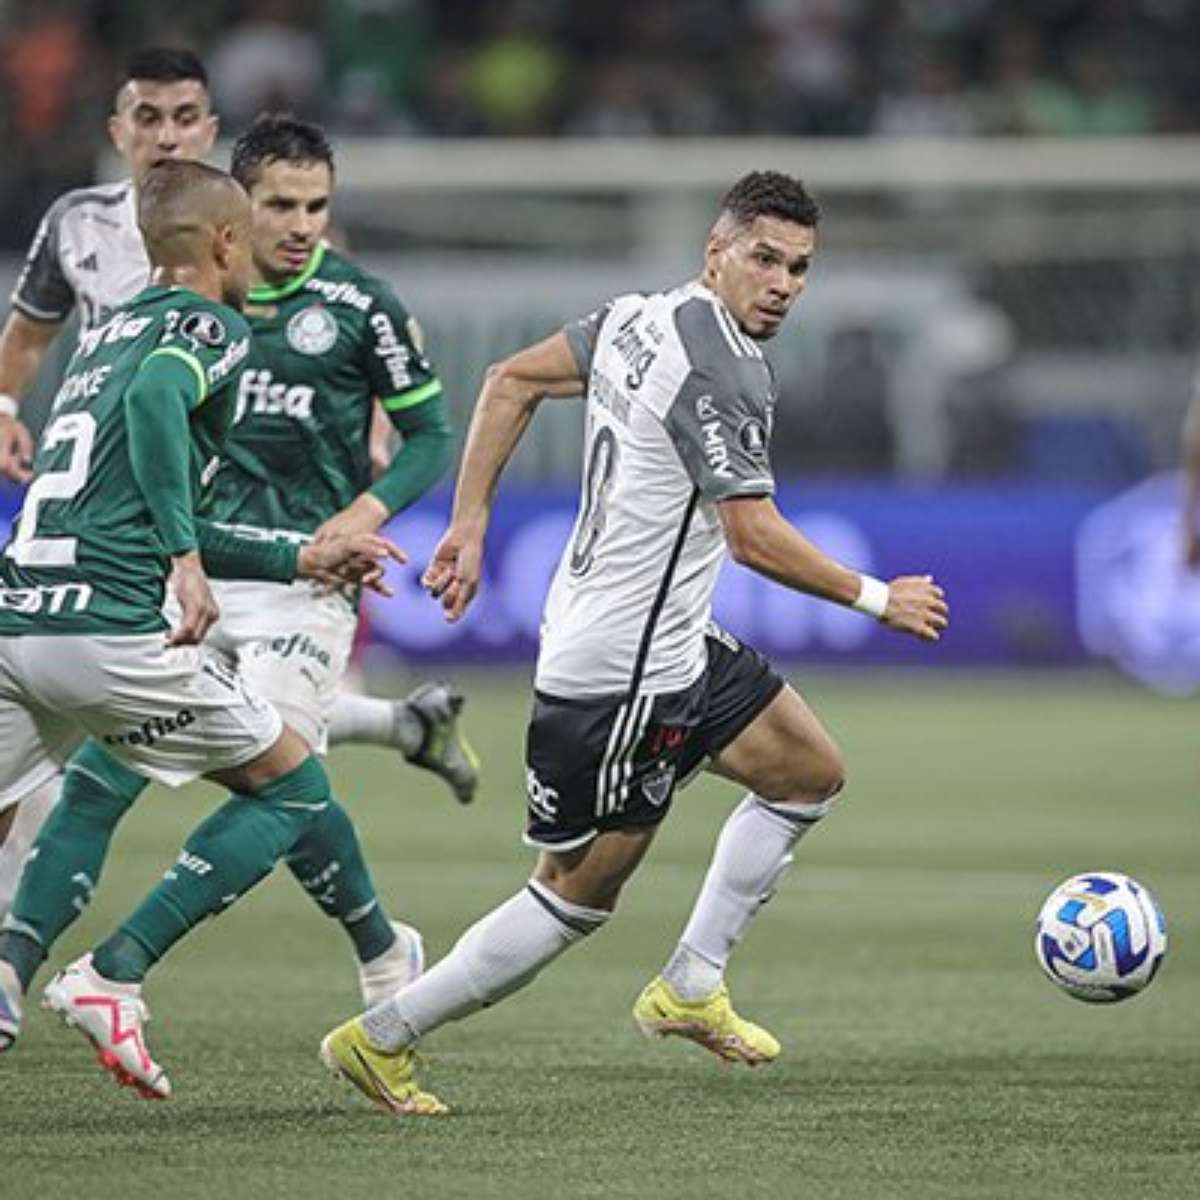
(385, 1079)
(710, 1023)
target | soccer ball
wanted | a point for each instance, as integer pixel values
(1100, 937)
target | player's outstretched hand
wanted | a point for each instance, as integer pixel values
(452, 577)
(350, 560)
(198, 606)
(918, 606)
(16, 450)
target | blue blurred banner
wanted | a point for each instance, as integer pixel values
(1006, 555)
(1036, 576)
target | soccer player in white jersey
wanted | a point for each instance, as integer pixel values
(89, 254)
(635, 688)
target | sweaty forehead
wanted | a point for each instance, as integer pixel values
(167, 97)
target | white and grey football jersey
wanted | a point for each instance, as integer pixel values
(679, 411)
(88, 251)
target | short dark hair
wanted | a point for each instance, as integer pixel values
(770, 194)
(176, 197)
(278, 137)
(164, 64)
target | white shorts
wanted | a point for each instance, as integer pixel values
(291, 642)
(35, 744)
(169, 714)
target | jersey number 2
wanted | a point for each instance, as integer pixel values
(78, 430)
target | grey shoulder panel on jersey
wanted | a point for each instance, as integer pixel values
(720, 419)
(43, 291)
(581, 337)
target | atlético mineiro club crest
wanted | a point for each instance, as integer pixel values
(312, 330)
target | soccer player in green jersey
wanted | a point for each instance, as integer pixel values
(88, 255)
(329, 340)
(146, 402)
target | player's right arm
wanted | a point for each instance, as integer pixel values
(511, 392)
(41, 301)
(23, 343)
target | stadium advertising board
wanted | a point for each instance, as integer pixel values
(1036, 575)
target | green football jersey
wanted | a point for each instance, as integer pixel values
(325, 344)
(86, 554)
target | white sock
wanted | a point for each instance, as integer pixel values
(31, 816)
(498, 955)
(372, 720)
(753, 852)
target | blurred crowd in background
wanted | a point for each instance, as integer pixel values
(674, 68)
(1045, 334)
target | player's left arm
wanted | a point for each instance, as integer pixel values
(350, 560)
(761, 538)
(425, 452)
(167, 387)
(406, 387)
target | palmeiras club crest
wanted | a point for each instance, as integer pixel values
(312, 330)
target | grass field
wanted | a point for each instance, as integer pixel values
(924, 1053)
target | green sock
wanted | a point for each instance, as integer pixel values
(68, 856)
(223, 858)
(328, 863)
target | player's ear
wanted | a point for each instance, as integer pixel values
(224, 237)
(116, 133)
(714, 248)
(213, 123)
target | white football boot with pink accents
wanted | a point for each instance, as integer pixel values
(110, 1015)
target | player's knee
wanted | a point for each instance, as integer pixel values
(562, 876)
(96, 781)
(811, 774)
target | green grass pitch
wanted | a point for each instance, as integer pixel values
(924, 1053)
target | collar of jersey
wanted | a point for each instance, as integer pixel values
(264, 295)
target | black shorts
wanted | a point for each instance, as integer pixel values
(615, 761)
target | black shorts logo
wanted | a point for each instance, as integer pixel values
(656, 786)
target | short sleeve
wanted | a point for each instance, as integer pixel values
(43, 291)
(393, 355)
(582, 336)
(721, 429)
(212, 340)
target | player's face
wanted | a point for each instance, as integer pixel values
(759, 271)
(156, 121)
(289, 204)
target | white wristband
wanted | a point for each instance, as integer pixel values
(8, 405)
(872, 597)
